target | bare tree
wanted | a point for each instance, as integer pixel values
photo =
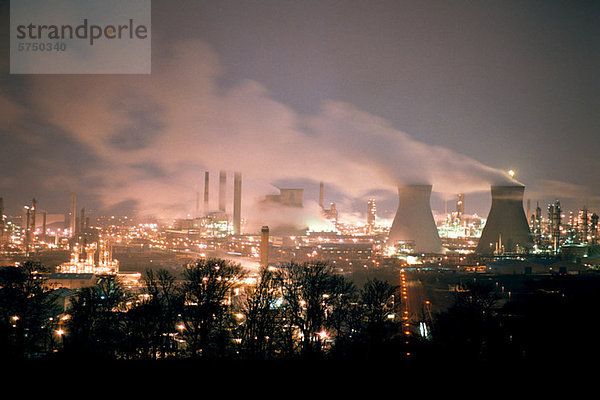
(96, 327)
(26, 308)
(377, 299)
(311, 294)
(262, 329)
(152, 323)
(344, 316)
(207, 288)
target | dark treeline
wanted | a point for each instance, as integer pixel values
(554, 320)
(293, 312)
(297, 311)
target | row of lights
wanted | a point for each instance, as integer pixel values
(405, 311)
(405, 318)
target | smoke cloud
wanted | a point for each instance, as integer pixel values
(154, 136)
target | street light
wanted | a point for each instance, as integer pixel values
(322, 335)
(60, 333)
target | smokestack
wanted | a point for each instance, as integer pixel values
(414, 220)
(506, 222)
(321, 191)
(460, 205)
(1, 220)
(91, 254)
(82, 221)
(197, 213)
(205, 192)
(594, 227)
(371, 213)
(27, 230)
(73, 219)
(237, 203)
(33, 207)
(44, 224)
(222, 187)
(264, 247)
(584, 225)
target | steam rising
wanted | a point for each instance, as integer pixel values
(154, 137)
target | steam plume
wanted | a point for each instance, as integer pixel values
(154, 135)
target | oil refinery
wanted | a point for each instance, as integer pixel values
(77, 243)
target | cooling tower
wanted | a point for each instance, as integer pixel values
(414, 220)
(506, 228)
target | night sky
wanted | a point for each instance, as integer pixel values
(360, 94)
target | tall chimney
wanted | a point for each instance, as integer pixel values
(197, 212)
(321, 191)
(82, 221)
(33, 211)
(414, 220)
(264, 247)
(460, 205)
(237, 203)
(1, 220)
(371, 213)
(44, 225)
(506, 222)
(205, 192)
(73, 217)
(222, 188)
(27, 230)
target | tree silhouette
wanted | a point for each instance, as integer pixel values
(27, 311)
(377, 300)
(313, 299)
(152, 323)
(207, 287)
(96, 327)
(344, 318)
(262, 330)
(471, 325)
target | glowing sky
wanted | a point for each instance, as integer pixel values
(359, 94)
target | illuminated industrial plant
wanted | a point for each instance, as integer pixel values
(98, 245)
(94, 258)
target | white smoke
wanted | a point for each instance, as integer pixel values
(156, 135)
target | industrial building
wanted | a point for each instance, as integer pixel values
(413, 238)
(287, 197)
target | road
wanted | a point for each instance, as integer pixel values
(415, 307)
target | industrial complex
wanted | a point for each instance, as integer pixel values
(507, 239)
(431, 258)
